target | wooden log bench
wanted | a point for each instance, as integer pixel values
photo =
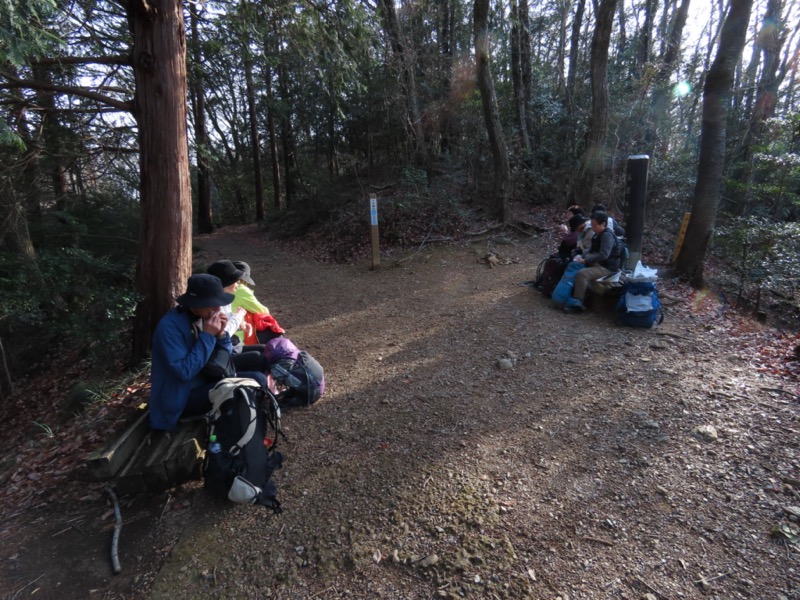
(139, 459)
(603, 298)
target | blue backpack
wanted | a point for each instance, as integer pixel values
(638, 305)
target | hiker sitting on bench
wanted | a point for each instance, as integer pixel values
(572, 211)
(570, 240)
(263, 326)
(178, 387)
(602, 259)
(245, 357)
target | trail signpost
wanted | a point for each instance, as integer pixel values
(637, 196)
(681, 235)
(374, 239)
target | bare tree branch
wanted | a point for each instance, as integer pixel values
(82, 60)
(16, 82)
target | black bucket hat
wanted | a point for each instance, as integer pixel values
(203, 291)
(245, 269)
(226, 271)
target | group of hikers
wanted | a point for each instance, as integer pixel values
(221, 357)
(592, 242)
(218, 310)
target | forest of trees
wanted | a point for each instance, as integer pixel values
(130, 124)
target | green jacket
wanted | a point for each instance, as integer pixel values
(244, 297)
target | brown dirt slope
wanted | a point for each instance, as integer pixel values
(606, 462)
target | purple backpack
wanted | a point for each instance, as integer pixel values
(296, 370)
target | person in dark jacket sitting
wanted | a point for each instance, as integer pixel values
(179, 388)
(602, 259)
(613, 224)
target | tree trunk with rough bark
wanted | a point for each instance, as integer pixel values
(273, 142)
(287, 139)
(491, 114)
(255, 146)
(716, 97)
(205, 221)
(164, 260)
(659, 106)
(594, 154)
(516, 79)
(407, 68)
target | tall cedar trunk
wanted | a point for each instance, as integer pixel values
(446, 21)
(14, 233)
(667, 64)
(255, 147)
(771, 38)
(491, 114)
(622, 38)
(164, 260)
(404, 57)
(205, 222)
(333, 109)
(516, 79)
(51, 134)
(744, 91)
(287, 139)
(716, 97)
(697, 95)
(561, 55)
(645, 36)
(574, 48)
(273, 141)
(525, 64)
(770, 42)
(662, 35)
(594, 154)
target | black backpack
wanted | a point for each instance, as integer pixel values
(549, 273)
(245, 422)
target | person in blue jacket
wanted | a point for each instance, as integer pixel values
(178, 388)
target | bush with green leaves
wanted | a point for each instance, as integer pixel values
(759, 255)
(79, 291)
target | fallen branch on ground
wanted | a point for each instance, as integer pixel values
(117, 528)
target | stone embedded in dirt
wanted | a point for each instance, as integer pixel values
(505, 364)
(707, 433)
(792, 511)
(429, 561)
(659, 345)
(503, 241)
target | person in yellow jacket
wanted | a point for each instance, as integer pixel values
(245, 298)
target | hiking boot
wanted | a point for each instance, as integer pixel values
(575, 308)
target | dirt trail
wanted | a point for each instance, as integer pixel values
(588, 469)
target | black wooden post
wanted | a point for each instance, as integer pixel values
(637, 195)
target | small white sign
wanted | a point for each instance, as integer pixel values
(373, 211)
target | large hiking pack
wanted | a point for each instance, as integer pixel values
(563, 291)
(245, 421)
(299, 375)
(549, 273)
(639, 306)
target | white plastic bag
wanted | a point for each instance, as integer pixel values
(643, 273)
(242, 491)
